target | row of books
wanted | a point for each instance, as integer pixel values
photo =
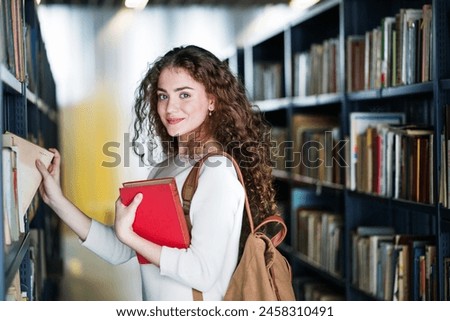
(386, 265)
(320, 239)
(23, 52)
(21, 180)
(382, 156)
(397, 52)
(394, 266)
(268, 80)
(390, 158)
(316, 70)
(12, 50)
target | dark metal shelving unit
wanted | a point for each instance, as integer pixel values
(422, 102)
(29, 112)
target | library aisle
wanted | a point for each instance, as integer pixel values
(88, 278)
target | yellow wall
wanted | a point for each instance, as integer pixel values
(85, 128)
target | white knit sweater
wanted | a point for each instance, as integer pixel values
(207, 265)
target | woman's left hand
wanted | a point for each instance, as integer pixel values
(123, 226)
(125, 217)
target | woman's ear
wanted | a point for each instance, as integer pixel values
(211, 102)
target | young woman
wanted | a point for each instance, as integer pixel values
(188, 103)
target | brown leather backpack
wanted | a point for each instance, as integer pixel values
(263, 273)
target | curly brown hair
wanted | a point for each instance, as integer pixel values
(235, 124)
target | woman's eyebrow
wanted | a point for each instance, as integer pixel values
(183, 88)
(176, 89)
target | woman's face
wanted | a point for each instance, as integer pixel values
(183, 104)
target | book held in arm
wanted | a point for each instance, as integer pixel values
(159, 217)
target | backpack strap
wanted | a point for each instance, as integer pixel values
(187, 192)
(191, 182)
(279, 237)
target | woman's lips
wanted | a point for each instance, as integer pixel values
(173, 121)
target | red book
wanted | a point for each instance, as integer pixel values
(159, 217)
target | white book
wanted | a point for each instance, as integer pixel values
(367, 59)
(387, 51)
(302, 88)
(390, 164)
(409, 15)
(10, 207)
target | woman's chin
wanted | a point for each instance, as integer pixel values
(173, 133)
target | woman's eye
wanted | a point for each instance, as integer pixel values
(184, 95)
(162, 96)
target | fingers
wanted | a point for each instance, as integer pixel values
(56, 158)
(42, 169)
(134, 203)
(55, 164)
(137, 200)
(54, 151)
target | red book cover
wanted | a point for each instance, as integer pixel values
(159, 217)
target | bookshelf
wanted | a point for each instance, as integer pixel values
(310, 79)
(30, 264)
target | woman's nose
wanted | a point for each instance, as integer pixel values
(172, 106)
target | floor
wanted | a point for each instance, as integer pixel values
(89, 278)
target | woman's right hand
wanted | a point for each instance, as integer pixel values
(50, 188)
(52, 195)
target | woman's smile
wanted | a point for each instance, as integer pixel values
(174, 121)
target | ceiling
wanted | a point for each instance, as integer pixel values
(118, 3)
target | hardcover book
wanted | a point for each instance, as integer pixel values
(159, 217)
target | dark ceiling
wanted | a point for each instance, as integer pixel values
(118, 3)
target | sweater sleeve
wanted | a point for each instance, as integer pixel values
(216, 215)
(103, 241)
